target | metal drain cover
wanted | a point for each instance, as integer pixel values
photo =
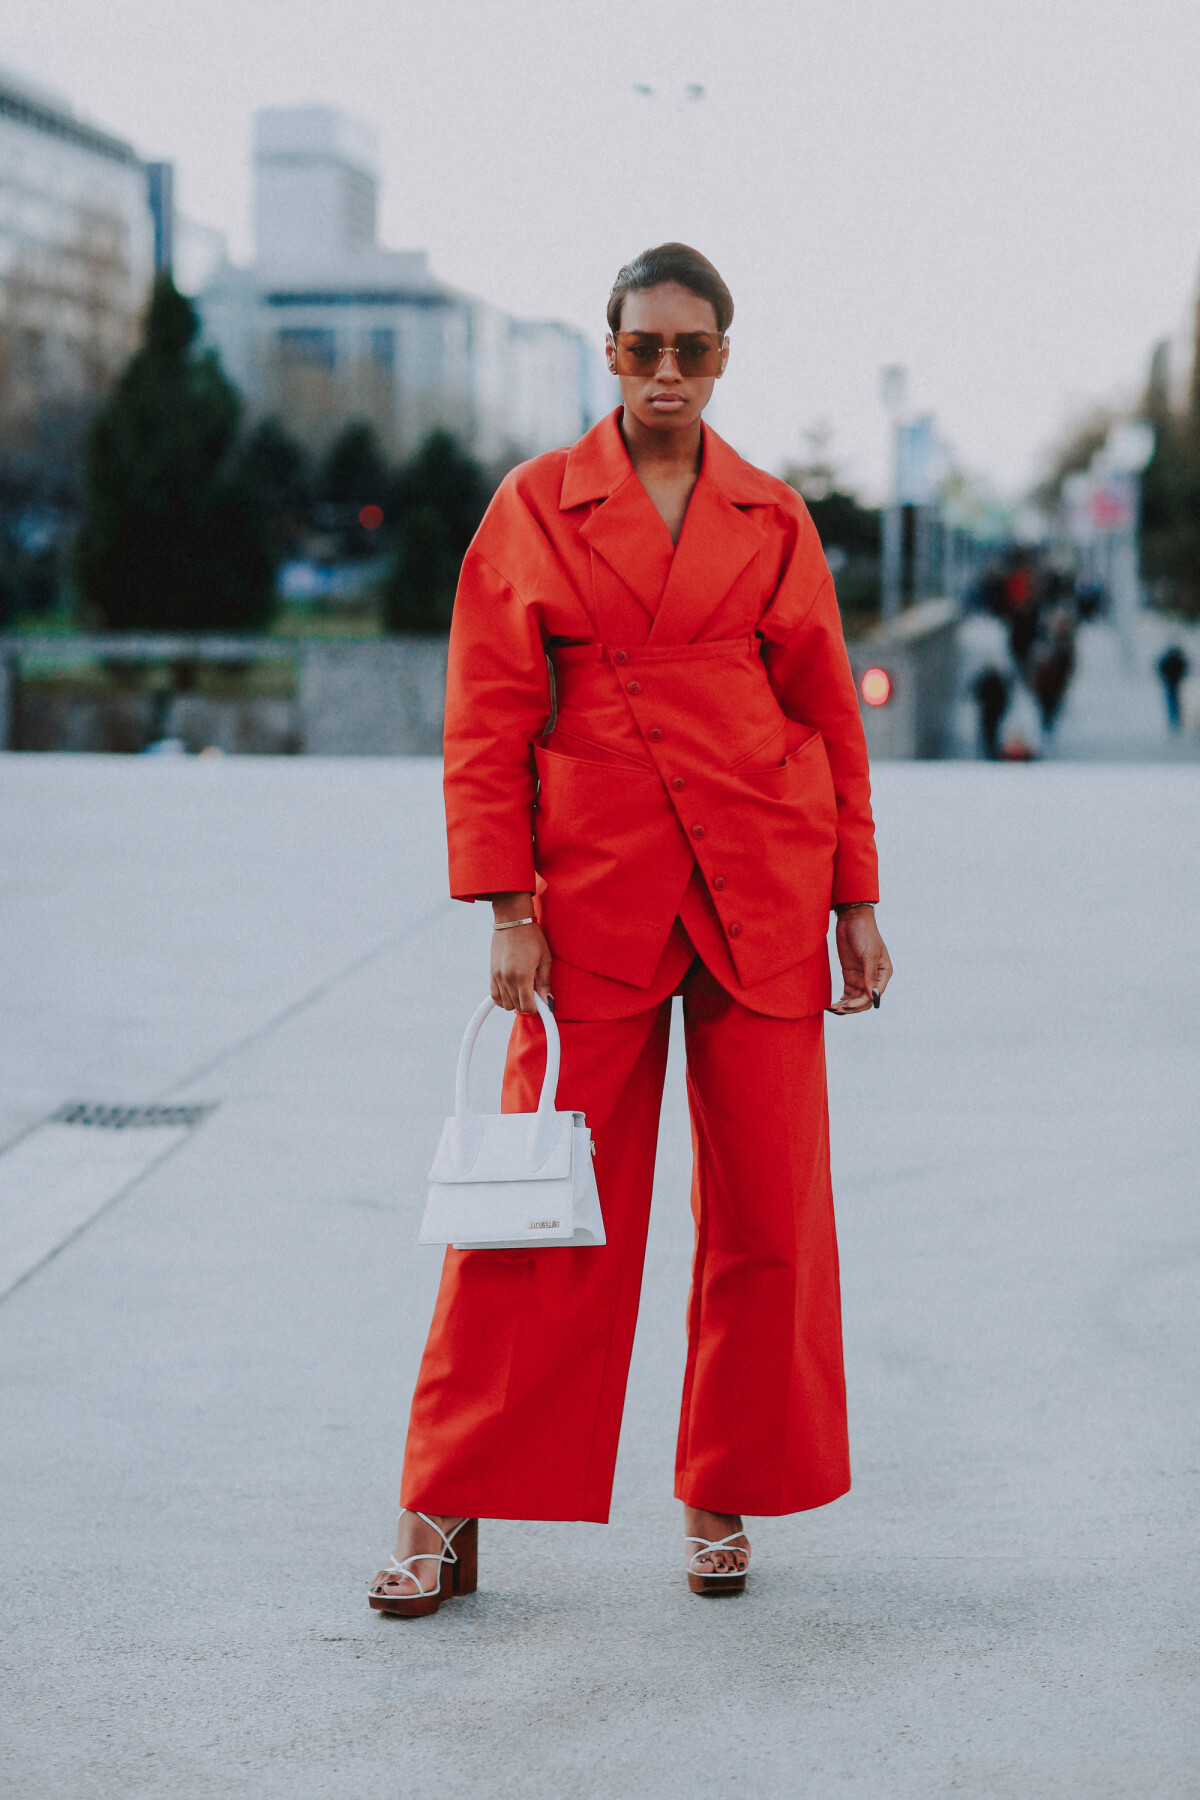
(62, 1173)
(126, 1118)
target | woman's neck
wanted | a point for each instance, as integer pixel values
(662, 453)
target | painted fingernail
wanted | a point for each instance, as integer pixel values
(874, 998)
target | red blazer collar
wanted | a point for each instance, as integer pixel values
(599, 463)
(681, 590)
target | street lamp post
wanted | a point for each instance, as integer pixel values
(893, 383)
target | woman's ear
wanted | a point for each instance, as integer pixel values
(610, 353)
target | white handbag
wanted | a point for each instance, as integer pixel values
(508, 1181)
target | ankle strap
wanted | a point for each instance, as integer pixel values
(447, 1541)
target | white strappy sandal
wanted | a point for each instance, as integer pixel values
(457, 1572)
(718, 1581)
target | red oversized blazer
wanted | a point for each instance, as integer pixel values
(627, 720)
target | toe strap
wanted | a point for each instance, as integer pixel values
(400, 1571)
(708, 1545)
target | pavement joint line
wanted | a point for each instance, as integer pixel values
(395, 941)
(87, 1223)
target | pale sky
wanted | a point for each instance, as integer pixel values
(1003, 195)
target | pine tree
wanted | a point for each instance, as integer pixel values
(277, 466)
(174, 535)
(353, 475)
(436, 505)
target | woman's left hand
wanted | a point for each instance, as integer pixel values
(866, 965)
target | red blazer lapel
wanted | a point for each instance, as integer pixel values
(716, 543)
(639, 578)
(631, 546)
(628, 531)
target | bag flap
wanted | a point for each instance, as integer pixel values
(472, 1212)
(496, 1147)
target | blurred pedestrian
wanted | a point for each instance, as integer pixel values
(1052, 663)
(1021, 608)
(690, 682)
(1173, 668)
(1090, 600)
(989, 594)
(992, 691)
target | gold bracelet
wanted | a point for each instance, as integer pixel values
(510, 924)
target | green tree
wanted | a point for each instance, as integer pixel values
(435, 507)
(353, 473)
(1170, 524)
(1073, 454)
(277, 467)
(174, 535)
(850, 533)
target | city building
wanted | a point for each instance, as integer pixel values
(76, 259)
(326, 326)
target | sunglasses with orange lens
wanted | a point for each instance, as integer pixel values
(642, 352)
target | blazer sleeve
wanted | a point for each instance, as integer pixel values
(497, 702)
(805, 657)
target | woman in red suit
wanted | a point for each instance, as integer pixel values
(656, 774)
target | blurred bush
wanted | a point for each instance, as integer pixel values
(434, 509)
(277, 468)
(851, 534)
(350, 491)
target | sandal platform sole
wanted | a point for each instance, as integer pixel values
(717, 1584)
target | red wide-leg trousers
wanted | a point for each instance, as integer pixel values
(517, 1408)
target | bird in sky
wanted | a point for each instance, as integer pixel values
(689, 94)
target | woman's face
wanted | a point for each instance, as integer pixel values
(661, 398)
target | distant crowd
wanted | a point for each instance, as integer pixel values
(1040, 606)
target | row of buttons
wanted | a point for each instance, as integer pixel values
(677, 781)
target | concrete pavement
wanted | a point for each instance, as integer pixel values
(204, 1391)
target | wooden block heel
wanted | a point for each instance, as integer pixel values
(466, 1569)
(717, 1584)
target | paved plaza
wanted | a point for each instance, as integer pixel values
(205, 1387)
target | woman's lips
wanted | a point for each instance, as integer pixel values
(667, 402)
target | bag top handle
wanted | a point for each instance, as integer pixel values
(545, 1107)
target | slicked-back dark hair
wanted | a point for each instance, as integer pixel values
(672, 262)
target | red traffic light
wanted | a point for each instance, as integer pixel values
(371, 518)
(876, 687)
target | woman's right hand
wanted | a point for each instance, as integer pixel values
(520, 957)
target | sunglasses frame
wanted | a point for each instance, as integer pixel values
(650, 339)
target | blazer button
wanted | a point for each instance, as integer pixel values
(697, 831)
(655, 735)
(620, 656)
(633, 687)
(735, 930)
(719, 882)
(678, 783)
